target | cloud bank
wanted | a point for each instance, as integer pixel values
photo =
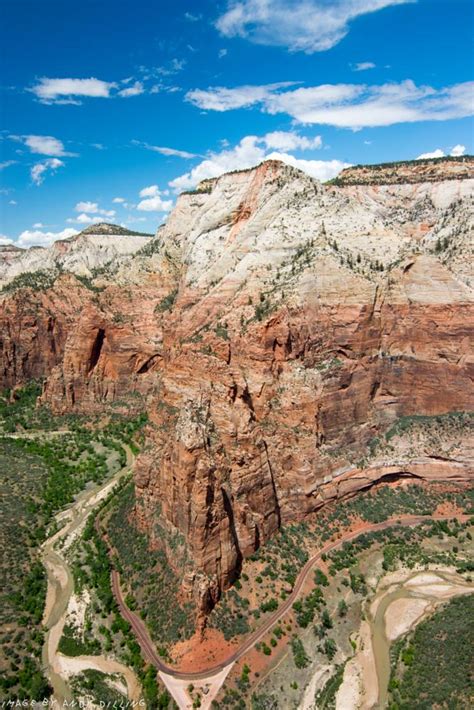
(352, 106)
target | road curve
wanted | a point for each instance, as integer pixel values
(60, 587)
(148, 647)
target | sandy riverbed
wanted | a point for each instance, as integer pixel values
(61, 603)
(403, 600)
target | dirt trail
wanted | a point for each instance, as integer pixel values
(58, 668)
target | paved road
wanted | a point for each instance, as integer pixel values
(148, 647)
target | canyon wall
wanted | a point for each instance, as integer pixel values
(276, 329)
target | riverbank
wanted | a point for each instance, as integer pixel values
(403, 599)
(58, 667)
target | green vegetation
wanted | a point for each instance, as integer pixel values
(71, 644)
(40, 475)
(264, 308)
(37, 280)
(283, 556)
(403, 424)
(385, 502)
(263, 702)
(300, 656)
(88, 282)
(306, 608)
(22, 576)
(221, 331)
(432, 668)
(393, 176)
(335, 618)
(94, 683)
(399, 544)
(167, 303)
(148, 577)
(326, 698)
(229, 615)
(153, 246)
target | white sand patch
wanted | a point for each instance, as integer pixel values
(76, 609)
(317, 681)
(435, 590)
(424, 578)
(402, 614)
(348, 695)
(366, 662)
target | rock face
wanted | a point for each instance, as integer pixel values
(34, 326)
(414, 171)
(273, 329)
(91, 249)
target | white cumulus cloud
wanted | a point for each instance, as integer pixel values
(87, 207)
(363, 66)
(92, 208)
(301, 25)
(153, 200)
(135, 90)
(252, 150)
(46, 145)
(287, 140)
(438, 153)
(65, 90)
(150, 191)
(351, 106)
(30, 238)
(220, 98)
(155, 204)
(39, 170)
(84, 219)
(455, 152)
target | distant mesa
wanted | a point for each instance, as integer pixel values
(6, 248)
(104, 228)
(408, 171)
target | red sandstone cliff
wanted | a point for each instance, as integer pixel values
(278, 327)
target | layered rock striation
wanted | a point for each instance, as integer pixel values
(273, 330)
(83, 254)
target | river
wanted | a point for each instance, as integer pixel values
(60, 587)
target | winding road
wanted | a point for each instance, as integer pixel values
(58, 667)
(60, 588)
(148, 647)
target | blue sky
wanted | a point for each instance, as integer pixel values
(109, 109)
